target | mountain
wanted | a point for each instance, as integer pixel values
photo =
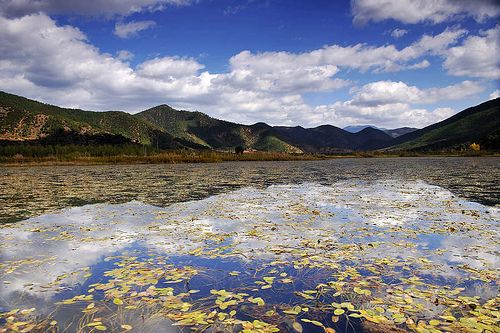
(22, 119)
(329, 139)
(479, 124)
(392, 132)
(396, 132)
(219, 134)
(211, 133)
(357, 128)
(25, 120)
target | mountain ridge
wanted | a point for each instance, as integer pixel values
(476, 124)
(29, 121)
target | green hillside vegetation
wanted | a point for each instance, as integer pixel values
(22, 119)
(212, 133)
(37, 130)
(479, 124)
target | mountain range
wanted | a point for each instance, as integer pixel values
(23, 120)
(392, 132)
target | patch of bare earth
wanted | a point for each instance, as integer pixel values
(25, 129)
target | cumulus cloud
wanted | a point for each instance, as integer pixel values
(325, 62)
(132, 28)
(391, 92)
(58, 65)
(124, 55)
(18, 8)
(495, 94)
(169, 68)
(398, 33)
(477, 56)
(420, 65)
(385, 115)
(416, 11)
(392, 104)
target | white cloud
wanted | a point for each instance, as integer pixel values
(132, 28)
(390, 92)
(416, 11)
(58, 65)
(392, 104)
(385, 115)
(398, 33)
(280, 72)
(124, 55)
(322, 64)
(478, 56)
(18, 8)
(495, 94)
(169, 68)
(420, 65)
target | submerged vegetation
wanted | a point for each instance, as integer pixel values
(381, 256)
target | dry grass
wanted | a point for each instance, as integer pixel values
(183, 156)
(170, 157)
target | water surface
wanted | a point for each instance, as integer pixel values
(361, 245)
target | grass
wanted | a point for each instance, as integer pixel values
(25, 154)
(164, 157)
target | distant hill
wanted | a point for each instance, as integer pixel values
(479, 124)
(357, 128)
(25, 120)
(329, 139)
(392, 132)
(396, 132)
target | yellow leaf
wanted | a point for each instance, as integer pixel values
(297, 327)
(339, 312)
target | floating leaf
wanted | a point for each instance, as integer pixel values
(338, 312)
(118, 301)
(297, 327)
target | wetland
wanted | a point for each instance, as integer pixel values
(339, 245)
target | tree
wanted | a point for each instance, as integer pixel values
(239, 150)
(475, 146)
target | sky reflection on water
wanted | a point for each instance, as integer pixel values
(388, 230)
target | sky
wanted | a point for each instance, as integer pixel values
(388, 63)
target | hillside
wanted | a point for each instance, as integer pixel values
(208, 132)
(22, 119)
(479, 124)
(330, 139)
(219, 134)
(27, 121)
(395, 132)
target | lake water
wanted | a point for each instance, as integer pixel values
(344, 245)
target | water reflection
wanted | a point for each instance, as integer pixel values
(31, 191)
(366, 242)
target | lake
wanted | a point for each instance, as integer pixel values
(340, 245)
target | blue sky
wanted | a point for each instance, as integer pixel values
(389, 63)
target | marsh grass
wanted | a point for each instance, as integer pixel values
(162, 157)
(112, 156)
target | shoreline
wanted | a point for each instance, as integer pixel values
(213, 157)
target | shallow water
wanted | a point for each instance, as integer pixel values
(350, 245)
